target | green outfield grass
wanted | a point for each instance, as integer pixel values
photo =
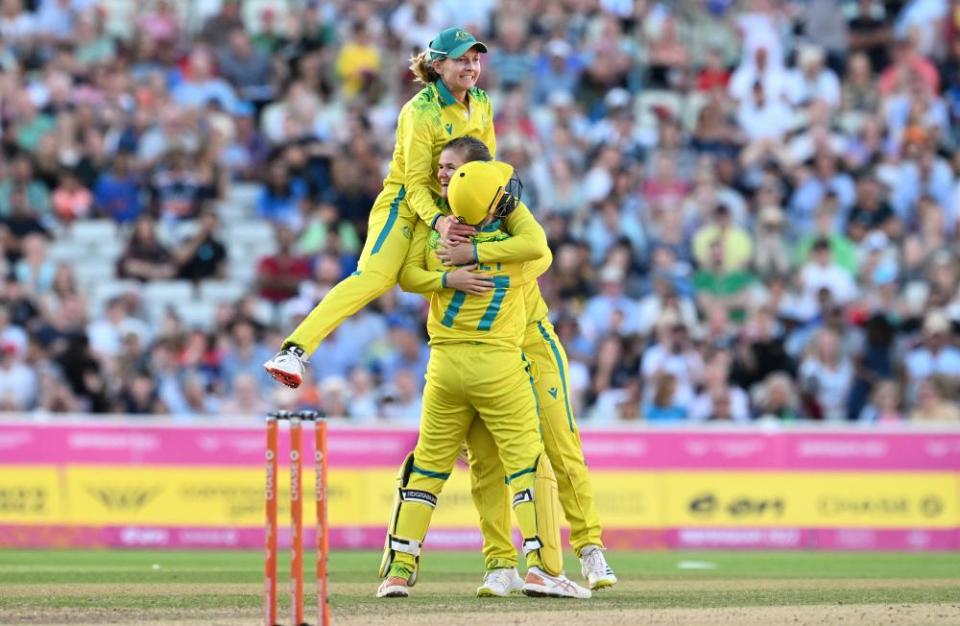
(46, 587)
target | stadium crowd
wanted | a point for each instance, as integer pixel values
(753, 205)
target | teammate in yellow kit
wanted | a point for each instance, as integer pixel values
(450, 105)
(477, 370)
(560, 434)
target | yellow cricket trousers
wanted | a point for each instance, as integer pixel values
(467, 381)
(561, 441)
(390, 230)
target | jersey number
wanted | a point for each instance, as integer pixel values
(500, 286)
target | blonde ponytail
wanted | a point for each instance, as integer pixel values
(422, 68)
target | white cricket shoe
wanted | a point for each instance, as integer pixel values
(594, 567)
(393, 587)
(500, 583)
(541, 584)
(287, 366)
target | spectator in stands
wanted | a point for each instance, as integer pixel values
(282, 197)
(245, 397)
(35, 269)
(557, 71)
(401, 399)
(250, 70)
(885, 406)
(84, 374)
(199, 85)
(664, 405)
(813, 81)
(719, 401)
(935, 402)
(71, 200)
(177, 189)
(610, 311)
(279, 275)
(821, 272)
(771, 253)
(117, 191)
(203, 256)
(776, 398)
(138, 396)
(108, 333)
(18, 383)
(244, 353)
(736, 246)
(826, 376)
(145, 258)
(717, 283)
(935, 356)
(673, 353)
(20, 179)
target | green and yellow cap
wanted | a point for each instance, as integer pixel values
(476, 188)
(453, 43)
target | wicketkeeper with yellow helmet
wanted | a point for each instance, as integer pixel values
(478, 371)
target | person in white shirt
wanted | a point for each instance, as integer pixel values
(719, 400)
(763, 118)
(673, 354)
(822, 273)
(934, 356)
(812, 81)
(18, 383)
(826, 374)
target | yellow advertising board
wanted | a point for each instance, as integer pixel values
(811, 499)
(233, 496)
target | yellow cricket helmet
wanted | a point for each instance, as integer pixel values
(477, 188)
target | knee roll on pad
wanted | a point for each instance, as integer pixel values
(546, 505)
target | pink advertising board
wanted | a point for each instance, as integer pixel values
(630, 459)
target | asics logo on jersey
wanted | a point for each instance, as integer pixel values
(553, 392)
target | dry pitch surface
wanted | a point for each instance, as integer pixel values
(661, 588)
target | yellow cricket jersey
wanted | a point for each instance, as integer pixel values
(427, 122)
(498, 317)
(526, 243)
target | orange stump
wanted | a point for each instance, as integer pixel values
(323, 535)
(296, 521)
(270, 530)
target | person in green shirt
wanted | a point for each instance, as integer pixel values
(715, 284)
(842, 250)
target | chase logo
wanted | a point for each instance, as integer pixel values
(553, 392)
(130, 499)
(449, 128)
(407, 232)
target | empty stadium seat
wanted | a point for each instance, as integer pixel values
(223, 290)
(93, 232)
(168, 292)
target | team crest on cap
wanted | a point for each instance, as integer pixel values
(460, 35)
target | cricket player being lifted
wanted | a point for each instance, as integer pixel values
(548, 360)
(477, 371)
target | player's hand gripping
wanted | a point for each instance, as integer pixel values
(468, 281)
(456, 254)
(452, 231)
